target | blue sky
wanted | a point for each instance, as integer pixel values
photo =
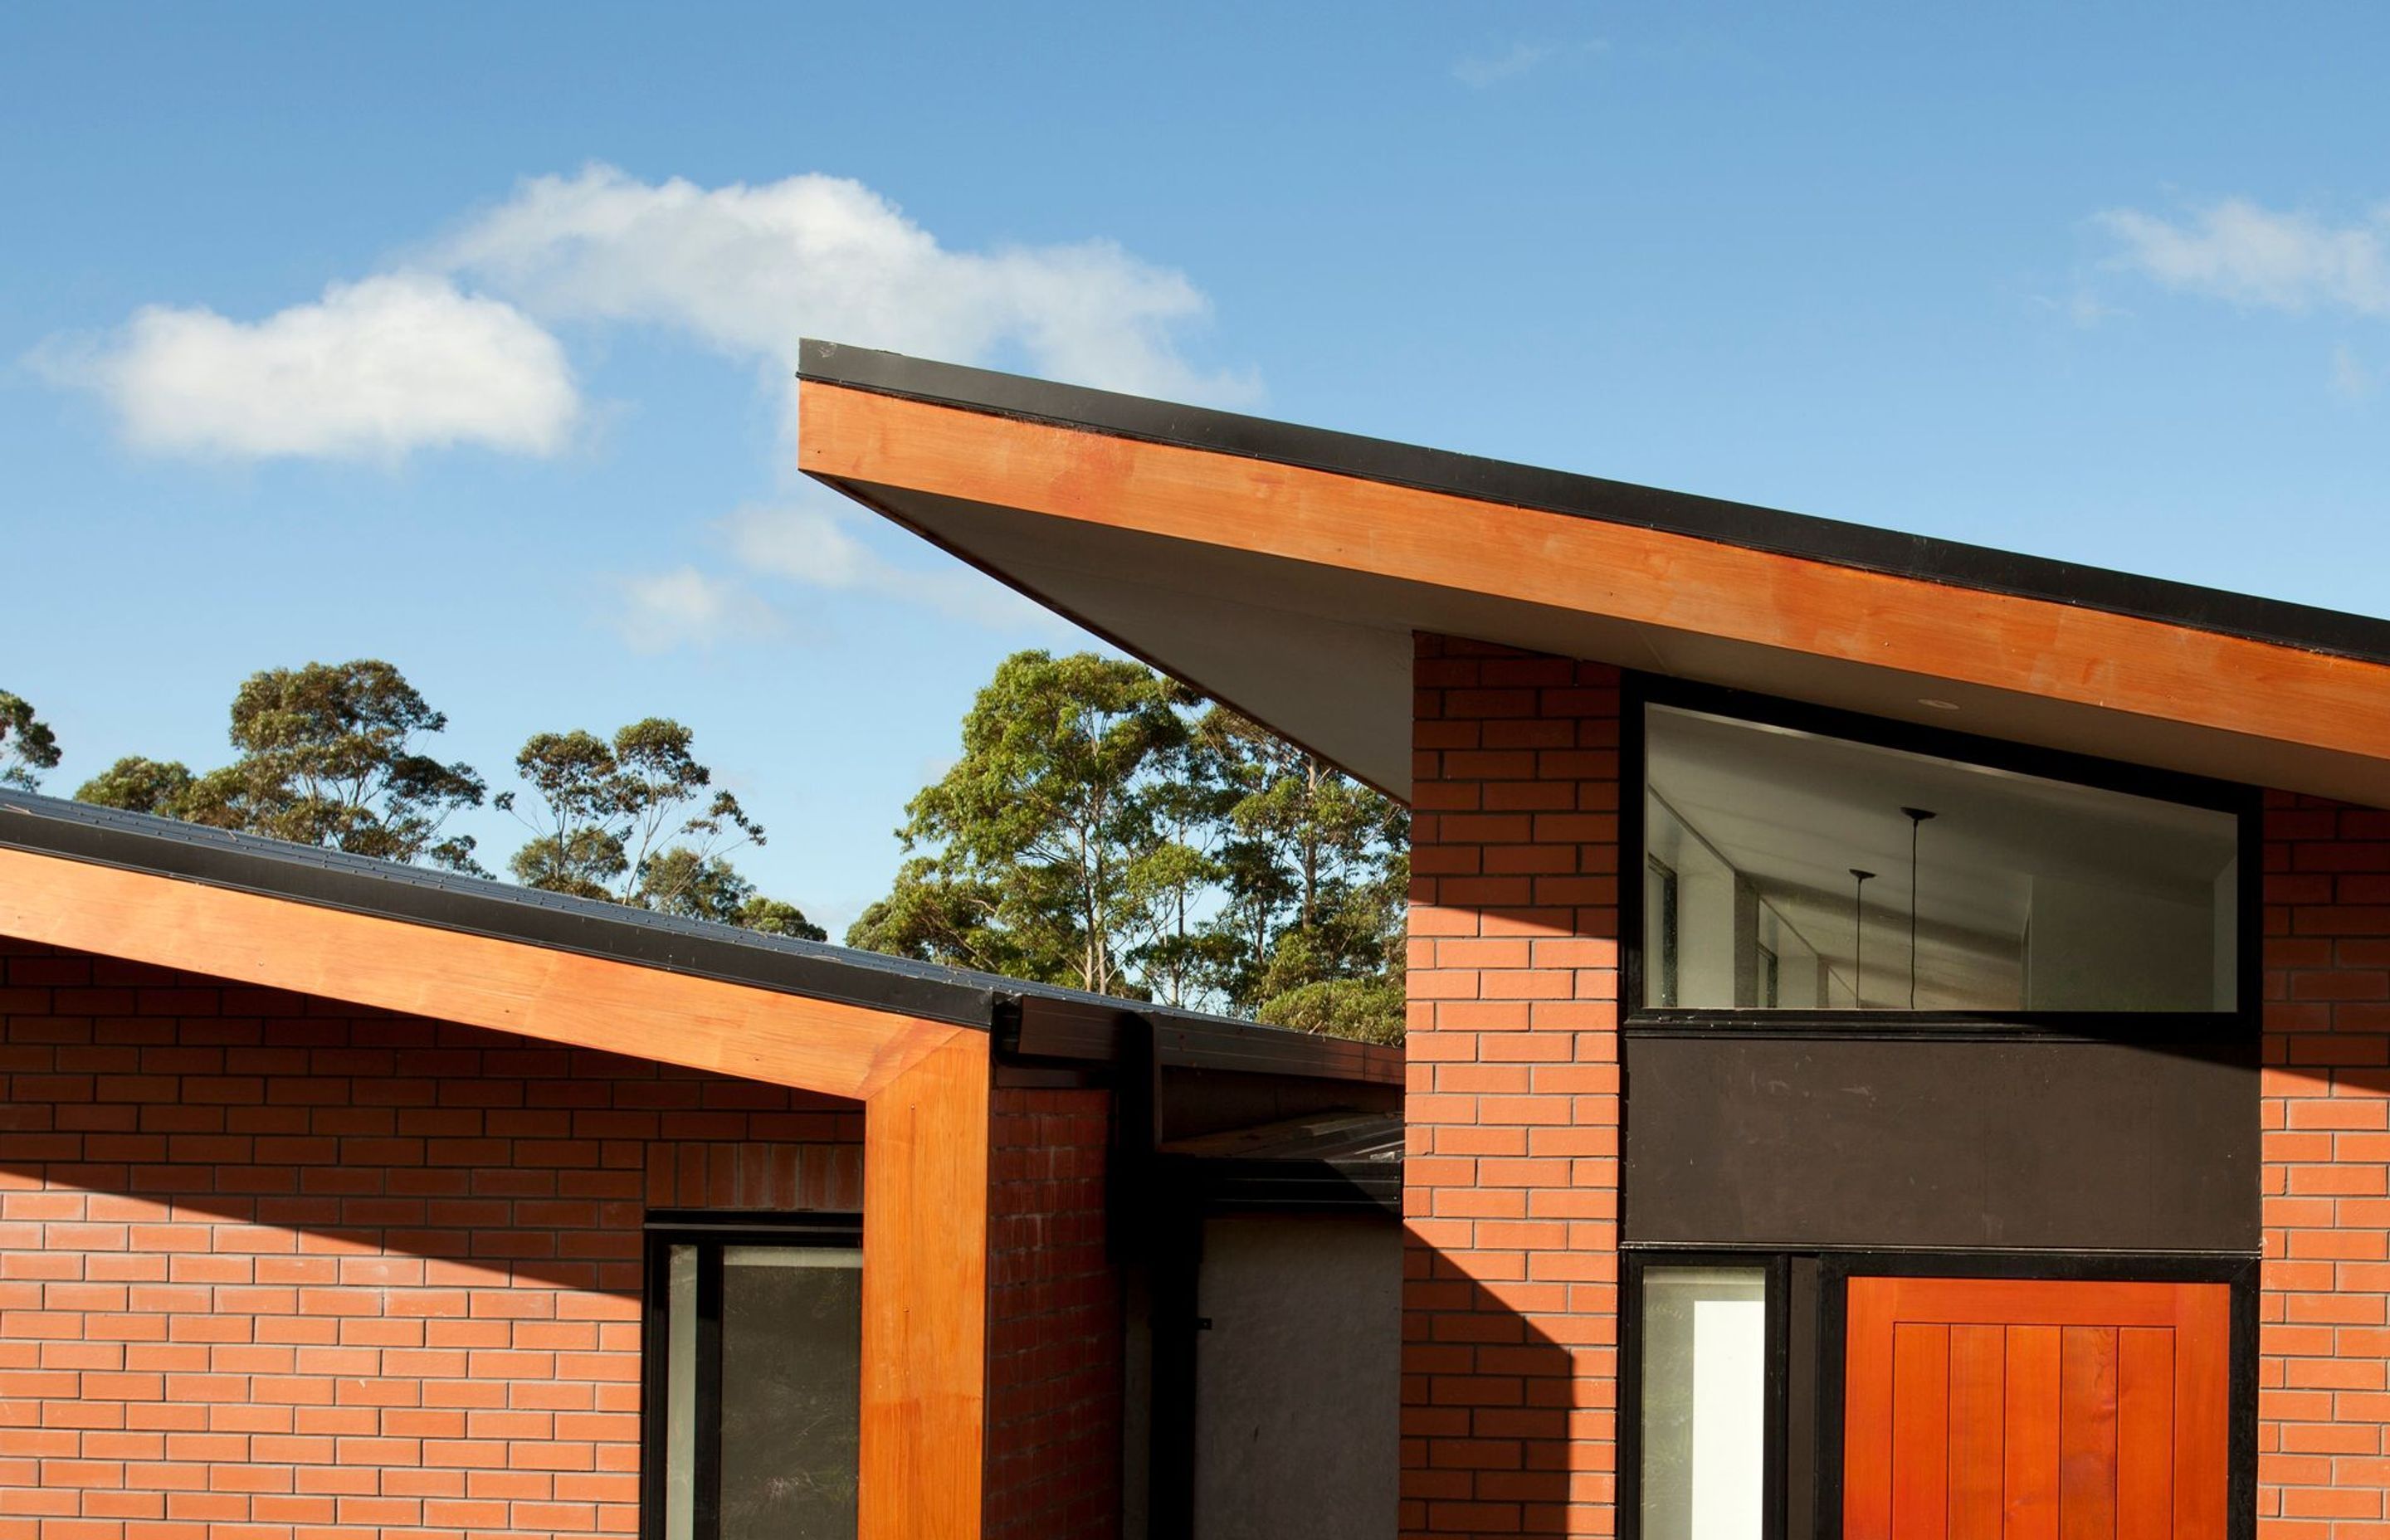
(458, 335)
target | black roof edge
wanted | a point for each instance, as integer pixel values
(2280, 622)
(1087, 1028)
(386, 890)
(1226, 1185)
(274, 868)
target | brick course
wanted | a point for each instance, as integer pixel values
(1054, 1320)
(1511, 1185)
(2323, 1435)
(275, 1268)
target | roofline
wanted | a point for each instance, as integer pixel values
(384, 889)
(2278, 621)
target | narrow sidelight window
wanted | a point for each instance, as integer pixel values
(754, 1384)
(1703, 1437)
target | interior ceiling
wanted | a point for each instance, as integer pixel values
(1323, 655)
(1796, 812)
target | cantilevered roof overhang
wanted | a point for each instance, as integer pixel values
(574, 970)
(1283, 570)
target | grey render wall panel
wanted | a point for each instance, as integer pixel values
(1796, 1142)
(1299, 1378)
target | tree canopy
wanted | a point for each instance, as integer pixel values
(139, 784)
(634, 819)
(1047, 857)
(328, 756)
(1103, 829)
(27, 745)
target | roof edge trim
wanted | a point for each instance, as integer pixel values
(146, 846)
(2281, 622)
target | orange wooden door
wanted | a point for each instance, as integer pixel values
(2029, 1409)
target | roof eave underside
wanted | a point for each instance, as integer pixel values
(1308, 626)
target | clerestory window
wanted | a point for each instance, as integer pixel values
(1812, 862)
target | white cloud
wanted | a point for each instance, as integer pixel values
(409, 360)
(1480, 72)
(2351, 380)
(2236, 250)
(686, 607)
(2082, 309)
(817, 543)
(373, 370)
(749, 270)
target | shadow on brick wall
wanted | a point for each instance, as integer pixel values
(1498, 1438)
(245, 1136)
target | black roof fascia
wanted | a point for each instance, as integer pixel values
(2307, 627)
(636, 936)
(1339, 1136)
(305, 873)
(1221, 1186)
(1068, 1026)
(386, 890)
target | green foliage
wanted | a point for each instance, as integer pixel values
(633, 819)
(328, 757)
(1314, 867)
(774, 917)
(934, 914)
(1367, 1009)
(682, 881)
(27, 745)
(1049, 851)
(1102, 830)
(137, 785)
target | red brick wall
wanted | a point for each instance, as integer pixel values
(1510, 1294)
(271, 1267)
(1054, 1320)
(2323, 1434)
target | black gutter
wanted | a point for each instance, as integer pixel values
(1067, 1026)
(2305, 627)
(1218, 1184)
(274, 868)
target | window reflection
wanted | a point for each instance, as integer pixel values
(1790, 870)
(1703, 1472)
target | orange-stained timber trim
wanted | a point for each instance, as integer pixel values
(925, 1199)
(511, 986)
(2033, 646)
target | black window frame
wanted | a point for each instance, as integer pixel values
(1668, 942)
(1807, 1308)
(712, 1232)
(1633, 1263)
(1640, 691)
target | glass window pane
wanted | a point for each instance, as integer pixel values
(680, 1396)
(1819, 873)
(1704, 1394)
(791, 1392)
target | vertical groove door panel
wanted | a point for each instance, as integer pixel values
(2025, 1410)
(1978, 1446)
(2087, 1432)
(1920, 1430)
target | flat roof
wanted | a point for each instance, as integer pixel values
(1285, 571)
(1060, 1023)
